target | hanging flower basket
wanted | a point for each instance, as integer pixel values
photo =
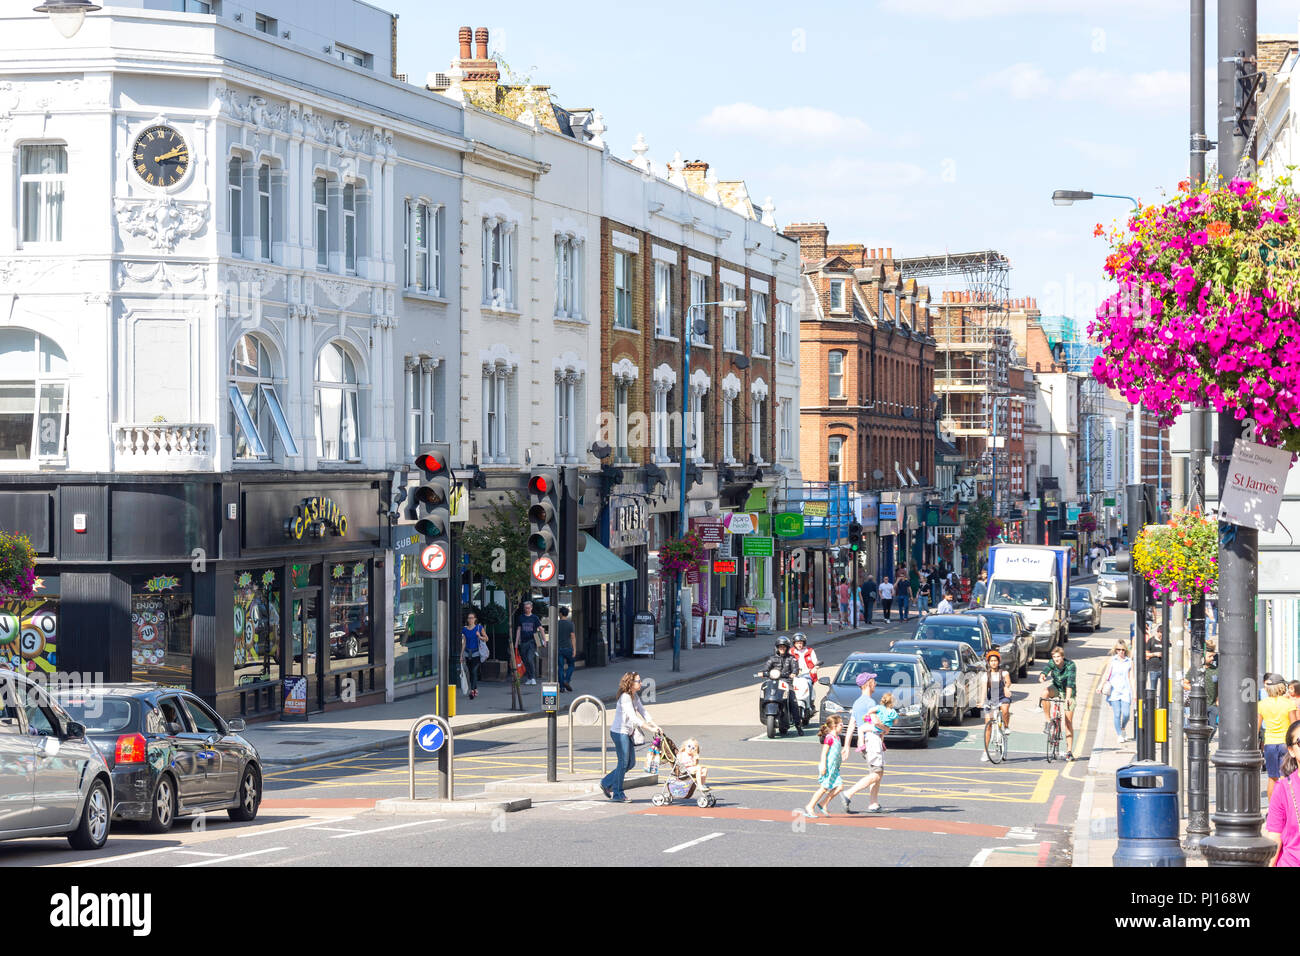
(994, 529)
(1208, 307)
(682, 555)
(1179, 559)
(17, 568)
(1087, 522)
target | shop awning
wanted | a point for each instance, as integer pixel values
(599, 565)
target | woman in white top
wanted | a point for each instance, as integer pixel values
(1118, 685)
(629, 716)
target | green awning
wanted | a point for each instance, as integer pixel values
(599, 565)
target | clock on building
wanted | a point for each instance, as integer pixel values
(161, 156)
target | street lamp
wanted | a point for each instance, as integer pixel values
(694, 326)
(1068, 197)
(67, 15)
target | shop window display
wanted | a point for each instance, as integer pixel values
(29, 630)
(257, 626)
(412, 626)
(162, 610)
(349, 608)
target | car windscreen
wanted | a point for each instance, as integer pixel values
(951, 632)
(98, 713)
(940, 658)
(1022, 593)
(888, 673)
(1080, 595)
(998, 623)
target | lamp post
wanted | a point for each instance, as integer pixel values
(689, 333)
(67, 15)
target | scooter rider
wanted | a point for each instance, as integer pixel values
(786, 663)
(806, 663)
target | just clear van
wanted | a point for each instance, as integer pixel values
(1033, 579)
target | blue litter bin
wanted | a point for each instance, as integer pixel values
(1147, 797)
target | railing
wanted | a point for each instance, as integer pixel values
(163, 446)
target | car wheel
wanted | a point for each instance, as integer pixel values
(249, 796)
(353, 647)
(164, 806)
(96, 819)
(1024, 669)
(934, 727)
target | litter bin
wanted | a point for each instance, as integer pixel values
(1147, 796)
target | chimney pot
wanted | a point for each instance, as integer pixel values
(889, 252)
(466, 36)
(481, 39)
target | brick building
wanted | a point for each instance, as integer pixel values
(866, 414)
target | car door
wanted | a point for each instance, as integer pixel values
(58, 763)
(17, 763)
(970, 676)
(223, 755)
(170, 718)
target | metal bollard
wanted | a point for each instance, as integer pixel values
(604, 766)
(446, 778)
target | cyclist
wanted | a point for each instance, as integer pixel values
(995, 693)
(1057, 679)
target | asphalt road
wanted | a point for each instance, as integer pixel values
(944, 807)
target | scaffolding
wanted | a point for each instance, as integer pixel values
(1079, 356)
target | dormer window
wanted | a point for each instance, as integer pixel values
(837, 295)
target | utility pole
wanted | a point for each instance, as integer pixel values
(1237, 840)
(1198, 724)
(1174, 665)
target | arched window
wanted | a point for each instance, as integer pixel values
(33, 396)
(255, 405)
(338, 429)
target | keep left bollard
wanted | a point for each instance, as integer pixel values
(433, 734)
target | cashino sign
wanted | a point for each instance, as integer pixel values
(315, 518)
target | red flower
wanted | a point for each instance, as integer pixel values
(1097, 230)
(1218, 229)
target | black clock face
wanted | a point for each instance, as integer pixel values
(161, 157)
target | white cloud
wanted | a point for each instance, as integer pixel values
(986, 9)
(795, 124)
(1160, 90)
(1023, 81)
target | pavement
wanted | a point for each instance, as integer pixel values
(345, 730)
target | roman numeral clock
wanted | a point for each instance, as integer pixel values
(161, 156)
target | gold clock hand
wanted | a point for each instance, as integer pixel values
(170, 155)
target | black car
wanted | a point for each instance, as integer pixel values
(1085, 610)
(169, 753)
(968, 628)
(959, 672)
(906, 676)
(1014, 639)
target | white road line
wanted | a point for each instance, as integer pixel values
(683, 846)
(334, 829)
(398, 826)
(235, 856)
(199, 853)
(126, 856)
(981, 856)
(296, 826)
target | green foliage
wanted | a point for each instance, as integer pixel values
(506, 528)
(974, 534)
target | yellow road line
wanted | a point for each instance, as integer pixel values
(1044, 787)
(1087, 721)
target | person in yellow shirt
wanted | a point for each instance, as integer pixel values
(1276, 714)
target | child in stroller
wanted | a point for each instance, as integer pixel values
(688, 776)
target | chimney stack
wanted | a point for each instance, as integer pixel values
(696, 172)
(466, 35)
(481, 38)
(811, 237)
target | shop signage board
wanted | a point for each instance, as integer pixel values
(742, 522)
(711, 532)
(788, 524)
(1256, 482)
(430, 737)
(729, 618)
(758, 546)
(295, 696)
(869, 512)
(889, 511)
(643, 635)
(627, 524)
(724, 567)
(713, 631)
(1072, 514)
(1108, 502)
(816, 509)
(746, 620)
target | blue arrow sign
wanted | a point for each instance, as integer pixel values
(430, 737)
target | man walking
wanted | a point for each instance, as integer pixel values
(886, 595)
(568, 647)
(526, 640)
(977, 592)
(869, 595)
(874, 746)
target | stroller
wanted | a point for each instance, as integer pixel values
(679, 785)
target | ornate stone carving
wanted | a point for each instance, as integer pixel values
(160, 276)
(163, 221)
(624, 371)
(20, 275)
(341, 293)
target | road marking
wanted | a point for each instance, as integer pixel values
(1043, 789)
(296, 826)
(335, 829)
(1054, 815)
(981, 856)
(199, 853)
(396, 826)
(691, 843)
(861, 821)
(127, 856)
(235, 856)
(1044, 849)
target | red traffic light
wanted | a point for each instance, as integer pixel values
(431, 462)
(540, 485)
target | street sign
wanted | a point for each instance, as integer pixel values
(788, 525)
(757, 546)
(433, 558)
(430, 737)
(889, 511)
(710, 532)
(724, 567)
(550, 697)
(1256, 480)
(816, 509)
(543, 570)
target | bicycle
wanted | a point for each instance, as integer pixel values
(1054, 730)
(995, 736)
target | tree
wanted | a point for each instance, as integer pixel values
(497, 551)
(974, 534)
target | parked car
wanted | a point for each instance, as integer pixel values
(53, 780)
(958, 671)
(906, 676)
(1013, 638)
(170, 754)
(351, 638)
(1112, 585)
(970, 629)
(1085, 610)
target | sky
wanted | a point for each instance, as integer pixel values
(921, 125)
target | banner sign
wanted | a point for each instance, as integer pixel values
(1256, 481)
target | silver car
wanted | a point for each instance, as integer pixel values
(1112, 585)
(53, 781)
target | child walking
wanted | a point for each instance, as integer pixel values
(828, 767)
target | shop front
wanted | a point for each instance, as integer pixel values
(628, 540)
(223, 586)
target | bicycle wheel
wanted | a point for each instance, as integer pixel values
(1054, 740)
(994, 742)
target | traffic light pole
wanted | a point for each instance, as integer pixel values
(552, 673)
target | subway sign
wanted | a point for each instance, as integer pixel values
(315, 518)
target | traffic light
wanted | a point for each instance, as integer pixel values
(431, 504)
(544, 526)
(855, 536)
